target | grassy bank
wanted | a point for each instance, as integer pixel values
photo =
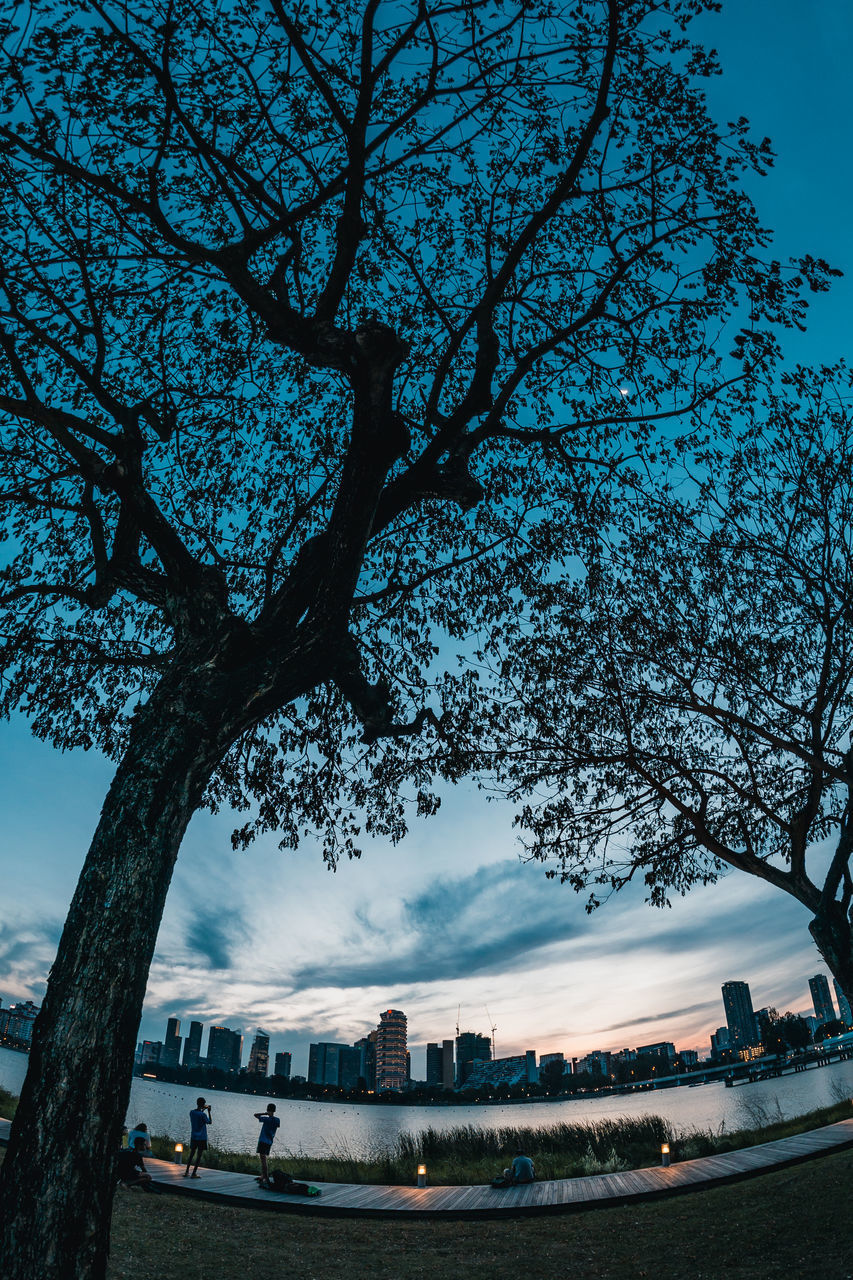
(789, 1223)
(793, 1223)
(468, 1155)
(8, 1104)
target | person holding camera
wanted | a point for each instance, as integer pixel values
(199, 1120)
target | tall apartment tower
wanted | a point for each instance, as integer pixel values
(740, 1015)
(843, 1004)
(192, 1045)
(391, 1050)
(824, 1009)
(282, 1065)
(171, 1055)
(259, 1054)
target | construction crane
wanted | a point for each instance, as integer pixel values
(494, 1029)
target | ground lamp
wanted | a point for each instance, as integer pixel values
(421, 1175)
(179, 1153)
(664, 1154)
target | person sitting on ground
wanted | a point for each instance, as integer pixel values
(519, 1172)
(140, 1130)
(131, 1167)
(522, 1169)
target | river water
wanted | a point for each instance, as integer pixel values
(323, 1128)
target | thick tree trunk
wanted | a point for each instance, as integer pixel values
(58, 1178)
(832, 931)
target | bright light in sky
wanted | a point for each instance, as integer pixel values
(452, 916)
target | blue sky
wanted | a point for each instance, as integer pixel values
(452, 916)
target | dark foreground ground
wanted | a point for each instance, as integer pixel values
(797, 1223)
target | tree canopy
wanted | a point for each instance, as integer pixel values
(684, 707)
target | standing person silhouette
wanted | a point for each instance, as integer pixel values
(199, 1120)
(269, 1123)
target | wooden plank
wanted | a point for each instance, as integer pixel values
(565, 1192)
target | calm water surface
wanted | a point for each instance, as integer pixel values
(322, 1128)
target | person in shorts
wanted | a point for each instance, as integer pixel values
(269, 1123)
(199, 1120)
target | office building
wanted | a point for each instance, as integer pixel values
(224, 1049)
(349, 1067)
(447, 1064)
(391, 1050)
(824, 1009)
(740, 1016)
(719, 1043)
(843, 1004)
(151, 1053)
(471, 1047)
(434, 1073)
(192, 1046)
(366, 1047)
(282, 1065)
(171, 1055)
(439, 1062)
(259, 1055)
(324, 1063)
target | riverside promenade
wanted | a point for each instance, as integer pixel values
(564, 1195)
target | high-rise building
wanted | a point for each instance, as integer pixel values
(433, 1064)
(151, 1052)
(391, 1050)
(439, 1064)
(824, 1009)
(720, 1043)
(18, 1021)
(470, 1048)
(349, 1066)
(224, 1049)
(282, 1065)
(171, 1055)
(740, 1016)
(366, 1047)
(447, 1064)
(324, 1063)
(192, 1046)
(843, 1004)
(259, 1054)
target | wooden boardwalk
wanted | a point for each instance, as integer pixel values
(341, 1199)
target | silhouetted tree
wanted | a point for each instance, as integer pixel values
(686, 707)
(835, 1027)
(318, 326)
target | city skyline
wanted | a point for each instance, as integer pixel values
(741, 1025)
(265, 939)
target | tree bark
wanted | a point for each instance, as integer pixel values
(832, 931)
(61, 1152)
